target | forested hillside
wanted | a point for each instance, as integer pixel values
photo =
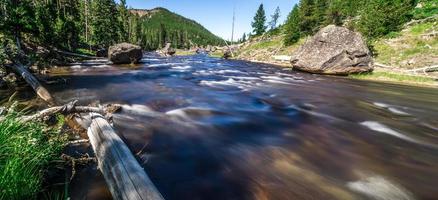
(92, 24)
(160, 25)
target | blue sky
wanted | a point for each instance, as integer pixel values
(216, 15)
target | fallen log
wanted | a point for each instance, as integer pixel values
(76, 54)
(67, 109)
(124, 176)
(425, 69)
(33, 82)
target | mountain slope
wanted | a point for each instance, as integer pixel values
(159, 26)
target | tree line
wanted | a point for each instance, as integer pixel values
(73, 24)
(373, 18)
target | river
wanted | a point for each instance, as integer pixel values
(206, 128)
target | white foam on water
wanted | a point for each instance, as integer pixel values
(229, 71)
(164, 64)
(182, 68)
(280, 80)
(180, 112)
(376, 126)
(76, 67)
(229, 82)
(379, 188)
(243, 77)
(391, 109)
(140, 110)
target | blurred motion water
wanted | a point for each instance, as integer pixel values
(205, 128)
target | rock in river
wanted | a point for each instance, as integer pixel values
(334, 50)
(125, 53)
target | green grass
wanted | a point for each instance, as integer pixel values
(184, 53)
(217, 54)
(408, 46)
(85, 52)
(267, 44)
(396, 77)
(421, 28)
(26, 149)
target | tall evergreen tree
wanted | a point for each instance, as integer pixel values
(320, 15)
(259, 22)
(18, 19)
(307, 16)
(123, 21)
(381, 17)
(274, 18)
(104, 22)
(292, 27)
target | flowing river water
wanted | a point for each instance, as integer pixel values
(206, 128)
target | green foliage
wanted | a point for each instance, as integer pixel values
(395, 77)
(105, 22)
(308, 19)
(374, 18)
(25, 151)
(426, 8)
(292, 27)
(381, 17)
(259, 23)
(160, 26)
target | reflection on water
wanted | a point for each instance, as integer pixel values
(205, 128)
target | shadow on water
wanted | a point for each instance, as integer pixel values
(206, 128)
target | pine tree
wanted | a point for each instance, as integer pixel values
(258, 24)
(307, 16)
(381, 17)
(244, 37)
(18, 19)
(123, 21)
(274, 18)
(292, 27)
(104, 22)
(320, 15)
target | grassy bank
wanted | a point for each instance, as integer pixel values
(26, 150)
(394, 77)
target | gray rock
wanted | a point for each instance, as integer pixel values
(334, 50)
(227, 54)
(102, 52)
(125, 53)
(10, 78)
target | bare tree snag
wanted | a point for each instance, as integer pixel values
(33, 82)
(124, 176)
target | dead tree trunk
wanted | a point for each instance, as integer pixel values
(125, 177)
(33, 82)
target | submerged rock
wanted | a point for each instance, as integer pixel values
(102, 52)
(227, 54)
(125, 53)
(334, 50)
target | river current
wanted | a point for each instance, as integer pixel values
(206, 128)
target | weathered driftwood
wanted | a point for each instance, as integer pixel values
(425, 69)
(124, 176)
(67, 109)
(33, 82)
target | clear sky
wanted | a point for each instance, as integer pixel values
(217, 15)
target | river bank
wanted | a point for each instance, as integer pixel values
(398, 57)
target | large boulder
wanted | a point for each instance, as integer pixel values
(334, 50)
(125, 53)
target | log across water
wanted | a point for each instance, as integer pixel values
(126, 179)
